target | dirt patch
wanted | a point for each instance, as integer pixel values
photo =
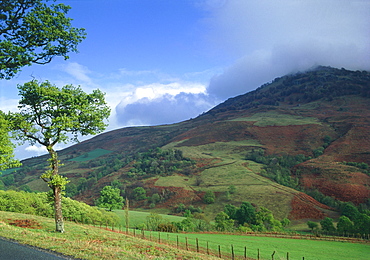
(24, 223)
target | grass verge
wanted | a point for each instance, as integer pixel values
(87, 242)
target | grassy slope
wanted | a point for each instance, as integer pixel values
(87, 242)
(234, 170)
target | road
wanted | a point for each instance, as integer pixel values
(10, 250)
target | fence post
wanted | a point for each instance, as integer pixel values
(207, 248)
(197, 244)
(287, 256)
(177, 241)
(219, 251)
(272, 256)
(186, 239)
(245, 253)
(159, 237)
(232, 252)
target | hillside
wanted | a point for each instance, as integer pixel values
(319, 120)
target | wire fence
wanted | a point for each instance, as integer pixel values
(229, 252)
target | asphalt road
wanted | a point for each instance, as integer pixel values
(11, 250)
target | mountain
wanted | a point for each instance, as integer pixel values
(296, 145)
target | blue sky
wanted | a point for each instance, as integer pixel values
(165, 61)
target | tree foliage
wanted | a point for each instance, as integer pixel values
(159, 162)
(49, 115)
(110, 198)
(209, 197)
(312, 225)
(32, 31)
(278, 167)
(327, 224)
(6, 147)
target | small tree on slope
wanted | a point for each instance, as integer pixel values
(50, 115)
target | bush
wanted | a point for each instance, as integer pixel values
(209, 197)
(39, 204)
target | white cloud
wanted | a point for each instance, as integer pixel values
(165, 109)
(36, 149)
(273, 38)
(78, 71)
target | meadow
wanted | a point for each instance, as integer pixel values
(89, 242)
(266, 246)
(295, 248)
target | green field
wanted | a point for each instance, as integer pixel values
(297, 248)
(272, 118)
(91, 155)
(88, 242)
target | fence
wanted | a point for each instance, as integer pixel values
(204, 247)
(221, 251)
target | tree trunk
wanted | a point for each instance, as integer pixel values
(57, 191)
(59, 223)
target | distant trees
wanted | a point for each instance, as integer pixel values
(327, 224)
(223, 222)
(139, 193)
(278, 167)
(159, 162)
(209, 197)
(110, 198)
(312, 225)
(345, 225)
(248, 218)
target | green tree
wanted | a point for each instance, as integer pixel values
(230, 210)
(285, 222)
(265, 217)
(33, 32)
(6, 147)
(209, 197)
(223, 222)
(50, 115)
(153, 221)
(246, 214)
(349, 210)
(110, 198)
(344, 225)
(327, 224)
(139, 193)
(312, 225)
(362, 224)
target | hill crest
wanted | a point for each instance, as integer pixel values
(322, 114)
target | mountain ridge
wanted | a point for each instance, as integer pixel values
(322, 114)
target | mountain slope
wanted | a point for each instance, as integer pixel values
(321, 115)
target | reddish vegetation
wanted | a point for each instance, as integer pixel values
(292, 139)
(304, 206)
(24, 223)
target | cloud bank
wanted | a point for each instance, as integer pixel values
(274, 38)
